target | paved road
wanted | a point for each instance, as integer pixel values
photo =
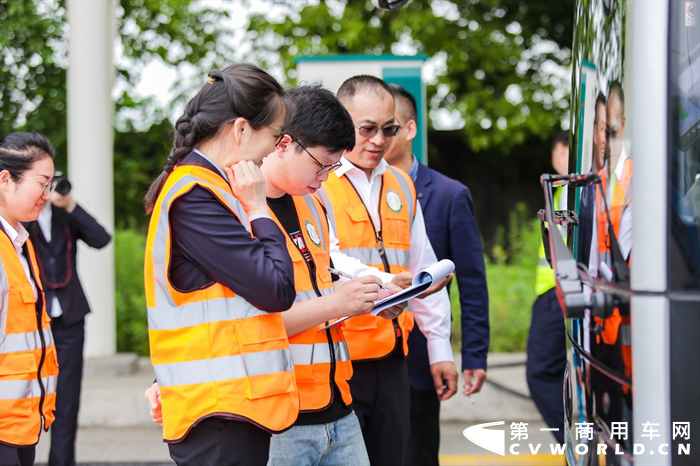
(115, 428)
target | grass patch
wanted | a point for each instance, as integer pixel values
(510, 274)
(132, 320)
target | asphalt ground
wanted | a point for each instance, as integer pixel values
(143, 446)
(115, 428)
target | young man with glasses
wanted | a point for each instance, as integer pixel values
(327, 431)
(374, 219)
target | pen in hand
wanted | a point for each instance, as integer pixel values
(350, 277)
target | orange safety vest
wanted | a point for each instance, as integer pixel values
(27, 399)
(615, 325)
(316, 355)
(371, 337)
(214, 353)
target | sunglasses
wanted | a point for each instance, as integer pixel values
(369, 131)
(324, 168)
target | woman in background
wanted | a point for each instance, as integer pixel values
(28, 367)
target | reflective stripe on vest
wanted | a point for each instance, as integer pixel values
(28, 341)
(319, 353)
(213, 352)
(310, 349)
(22, 353)
(224, 368)
(18, 389)
(306, 295)
(370, 337)
(396, 257)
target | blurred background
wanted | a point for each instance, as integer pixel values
(497, 83)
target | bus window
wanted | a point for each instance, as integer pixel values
(684, 149)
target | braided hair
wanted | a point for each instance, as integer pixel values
(238, 91)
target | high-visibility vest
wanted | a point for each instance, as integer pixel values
(371, 337)
(615, 326)
(27, 399)
(544, 276)
(316, 354)
(214, 353)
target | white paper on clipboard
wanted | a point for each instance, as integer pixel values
(421, 282)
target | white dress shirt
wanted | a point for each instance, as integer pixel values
(18, 238)
(44, 222)
(432, 314)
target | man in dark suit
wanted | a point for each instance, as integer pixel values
(55, 234)
(449, 220)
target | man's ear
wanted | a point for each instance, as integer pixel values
(411, 129)
(284, 145)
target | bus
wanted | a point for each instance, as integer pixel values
(628, 275)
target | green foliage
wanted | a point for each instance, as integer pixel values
(132, 323)
(33, 69)
(33, 59)
(138, 160)
(511, 281)
(489, 47)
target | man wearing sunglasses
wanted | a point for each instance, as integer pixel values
(375, 220)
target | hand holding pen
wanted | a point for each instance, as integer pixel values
(340, 273)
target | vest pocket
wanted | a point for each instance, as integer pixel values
(321, 260)
(357, 213)
(396, 231)
(21, 320)
(16, 364)
(265, 356)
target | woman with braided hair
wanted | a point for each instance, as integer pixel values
(217, 275)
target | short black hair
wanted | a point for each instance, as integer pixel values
(600, 100)
(408, 98)
(320, 120)
(353, 85)
(19, 151)
(616, 89)
(562, 138)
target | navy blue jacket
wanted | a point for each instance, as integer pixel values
(57, 259)
(209, 244)
(449, 220)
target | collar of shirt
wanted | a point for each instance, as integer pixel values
(348, 167)
(44, 221)
(198, 152)
(18, 237)
(368, 189)
(413, 171)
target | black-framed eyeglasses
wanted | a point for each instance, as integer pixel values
(369, 131)
(281, 134)
(324, 168)
(49, 186)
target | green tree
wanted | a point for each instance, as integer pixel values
(500, 56)
(34, 47)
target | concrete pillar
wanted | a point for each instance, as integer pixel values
(92, 29)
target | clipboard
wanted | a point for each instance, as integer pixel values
(422, 281)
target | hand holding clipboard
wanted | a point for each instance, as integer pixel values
(422, 281)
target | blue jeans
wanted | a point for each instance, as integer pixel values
(335, 443)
